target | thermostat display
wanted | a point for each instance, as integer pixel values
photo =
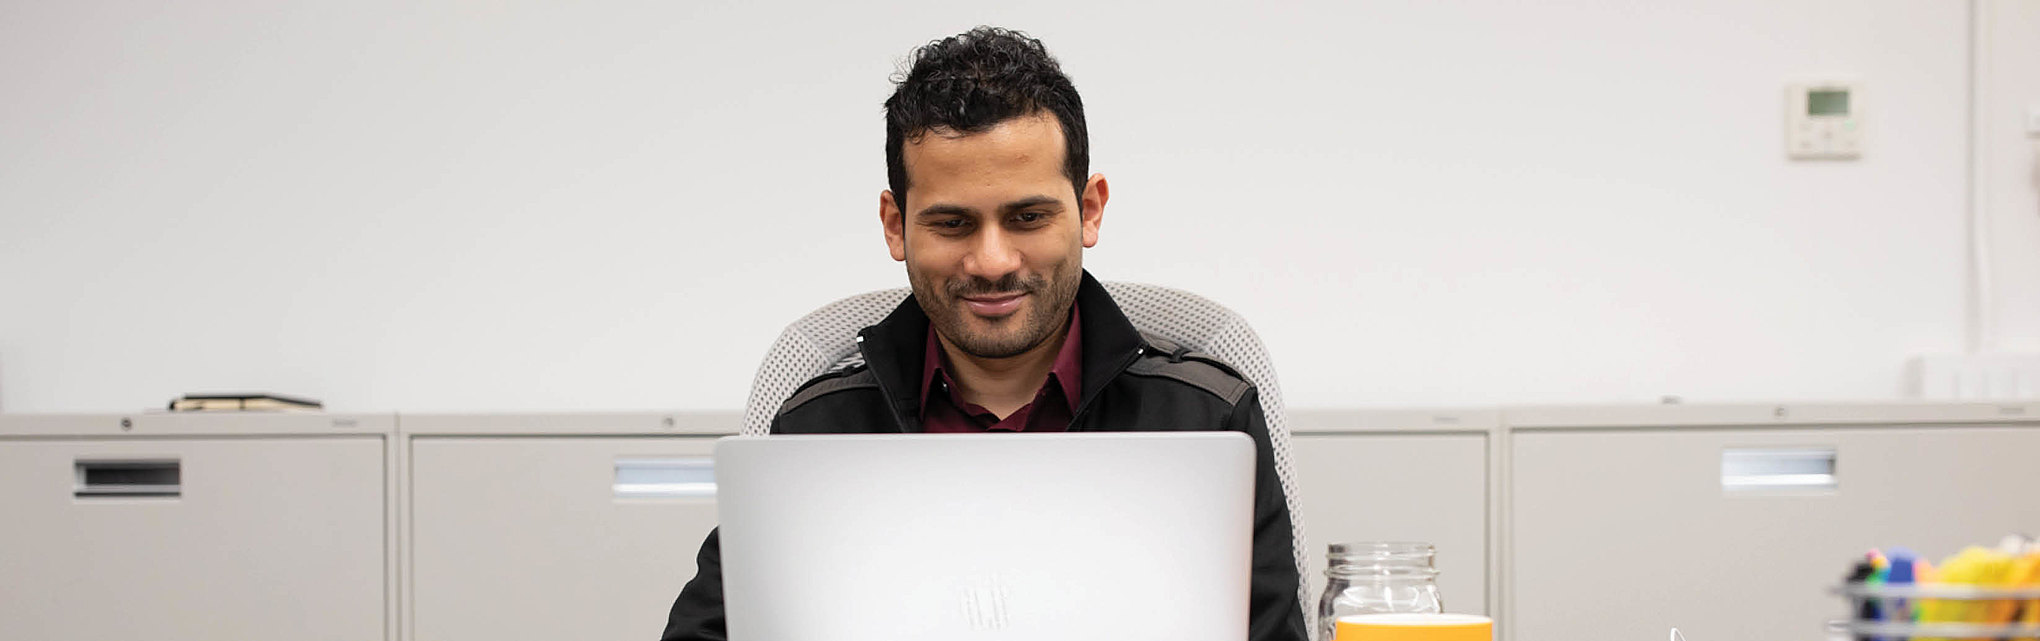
(1823, 121)
(1827, 103)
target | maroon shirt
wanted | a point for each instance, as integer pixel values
(1050, 411)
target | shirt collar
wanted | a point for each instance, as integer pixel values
(1067, 372)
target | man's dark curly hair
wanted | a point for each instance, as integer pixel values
(972, 81)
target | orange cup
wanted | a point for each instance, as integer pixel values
(1414, 627)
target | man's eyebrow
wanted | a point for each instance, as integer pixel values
(1030, 201)
(944, 209)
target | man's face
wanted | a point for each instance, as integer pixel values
(993, 234)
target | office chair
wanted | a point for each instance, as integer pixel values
(825, 340)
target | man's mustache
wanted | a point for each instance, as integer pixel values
(1008, 285)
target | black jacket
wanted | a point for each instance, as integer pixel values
(1132, 382)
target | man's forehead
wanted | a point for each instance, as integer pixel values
(1012, 148)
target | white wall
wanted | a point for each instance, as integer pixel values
(526, 205)
(2010, 172)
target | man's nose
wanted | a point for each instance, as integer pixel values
(993, 257)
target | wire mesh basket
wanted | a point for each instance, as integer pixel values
(1941, 611)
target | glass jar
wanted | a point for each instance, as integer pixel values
(1377, 578)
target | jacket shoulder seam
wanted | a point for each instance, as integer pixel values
(857, 377)
(1197, 371)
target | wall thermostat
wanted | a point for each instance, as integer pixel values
(1824, 121)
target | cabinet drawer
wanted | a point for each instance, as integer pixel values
(1400, 487)
(533, 538)
(255, 538)
(1624, 534)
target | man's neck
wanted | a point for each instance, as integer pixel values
(1004, 385)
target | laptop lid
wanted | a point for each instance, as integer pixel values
(956, 537)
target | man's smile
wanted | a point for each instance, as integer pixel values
(994, 305)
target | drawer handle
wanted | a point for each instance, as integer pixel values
(660, 478)
(128, 478)
(1760, 469)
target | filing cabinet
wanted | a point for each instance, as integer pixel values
(552, 526)
(1624, 532)
(1601, 522)
(195, 527)
(1398, 476)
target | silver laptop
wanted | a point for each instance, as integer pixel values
(957, 537)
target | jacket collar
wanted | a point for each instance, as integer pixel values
(896, 347)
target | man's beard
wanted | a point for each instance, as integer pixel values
(1050, 304)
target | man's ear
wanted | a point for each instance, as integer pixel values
(1096, 192)
(895, 224)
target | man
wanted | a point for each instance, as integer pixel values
(990, 207)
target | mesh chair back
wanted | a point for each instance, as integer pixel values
(825, 340)
(822, 341)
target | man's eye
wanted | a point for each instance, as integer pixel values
(953, 223)
(1029, 216)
